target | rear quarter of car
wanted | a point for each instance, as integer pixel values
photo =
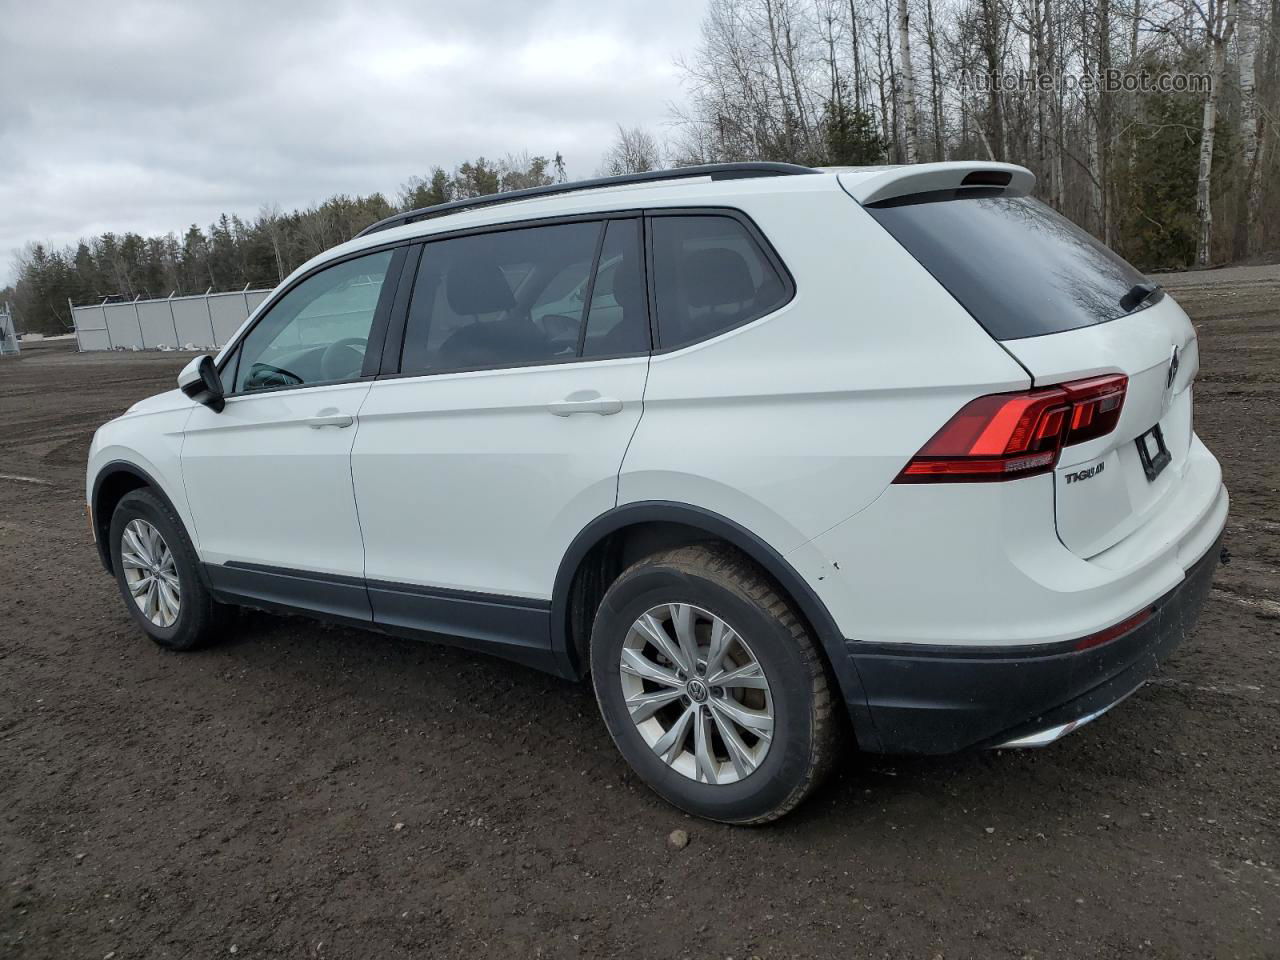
(965, 614)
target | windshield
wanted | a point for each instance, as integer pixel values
(1018, 267)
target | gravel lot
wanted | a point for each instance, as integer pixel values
(308, 791)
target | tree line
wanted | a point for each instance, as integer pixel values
(1170, 177)
(232, 253)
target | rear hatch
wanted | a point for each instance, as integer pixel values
(1068, 309)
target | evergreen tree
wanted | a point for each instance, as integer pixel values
(233, 252)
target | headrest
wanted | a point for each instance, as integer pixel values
(477, 286)
(716, 277)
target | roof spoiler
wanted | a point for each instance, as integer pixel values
(919, 178)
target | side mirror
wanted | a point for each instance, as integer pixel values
(199, 381)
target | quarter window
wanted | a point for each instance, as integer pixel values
(709, 275)
(318, 331)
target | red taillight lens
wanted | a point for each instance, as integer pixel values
(1095, 407)
(1004, 436)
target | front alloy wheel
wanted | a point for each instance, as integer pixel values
(157, 571)
(151, 573)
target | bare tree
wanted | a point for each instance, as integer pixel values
(935, 82)
(1250, 119)
(1267, 126)
(855, 45)
(634, 150)
(269, 218)
(989, 21)
(1219, 23)
(908, 87)
(775, 80)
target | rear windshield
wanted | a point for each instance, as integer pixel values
(1019, 268)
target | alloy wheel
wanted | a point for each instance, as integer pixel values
(150, 573)
(696, 693)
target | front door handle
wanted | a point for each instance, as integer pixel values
(585, 402)
(326, 419)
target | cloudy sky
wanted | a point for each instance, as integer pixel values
(141, 116)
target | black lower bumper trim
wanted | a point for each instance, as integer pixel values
(940, 700)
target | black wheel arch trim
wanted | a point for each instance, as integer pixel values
(101, 524)
(669, 511)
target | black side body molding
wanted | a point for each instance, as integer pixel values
(332, 597)
(514, 628)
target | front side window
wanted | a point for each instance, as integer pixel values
(709, 275)
(318, 331)
(518, 297)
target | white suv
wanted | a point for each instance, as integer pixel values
(747, 443)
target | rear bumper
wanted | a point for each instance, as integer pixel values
(939, 699)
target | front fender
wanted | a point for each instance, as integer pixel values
(147, 446)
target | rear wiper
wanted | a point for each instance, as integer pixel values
(1138, 294)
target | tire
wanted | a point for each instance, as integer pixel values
(774, 772)
(199, 618)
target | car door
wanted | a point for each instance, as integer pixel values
(269, 477)
(502, 433)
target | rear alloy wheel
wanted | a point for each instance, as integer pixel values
(696, 693)
(711, 687)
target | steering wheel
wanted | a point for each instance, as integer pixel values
(342, 360)
(558, 327)
(264, 376)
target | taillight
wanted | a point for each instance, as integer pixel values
(1005, 436)
(1095, 407)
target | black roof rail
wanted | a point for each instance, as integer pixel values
(716, 171)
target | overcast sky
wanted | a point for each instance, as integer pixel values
(148, 117)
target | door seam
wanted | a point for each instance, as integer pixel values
(617, 477)
(355, 503)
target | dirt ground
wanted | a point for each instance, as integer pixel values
(306, 791)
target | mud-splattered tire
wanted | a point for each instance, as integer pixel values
(699, 637)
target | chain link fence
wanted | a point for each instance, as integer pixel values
(203, 322)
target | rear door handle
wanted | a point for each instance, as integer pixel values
(330, 420)
(594, 403)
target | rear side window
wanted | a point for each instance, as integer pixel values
(709, 275)
(1018, 267)
(618, 318)
(508, 298)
